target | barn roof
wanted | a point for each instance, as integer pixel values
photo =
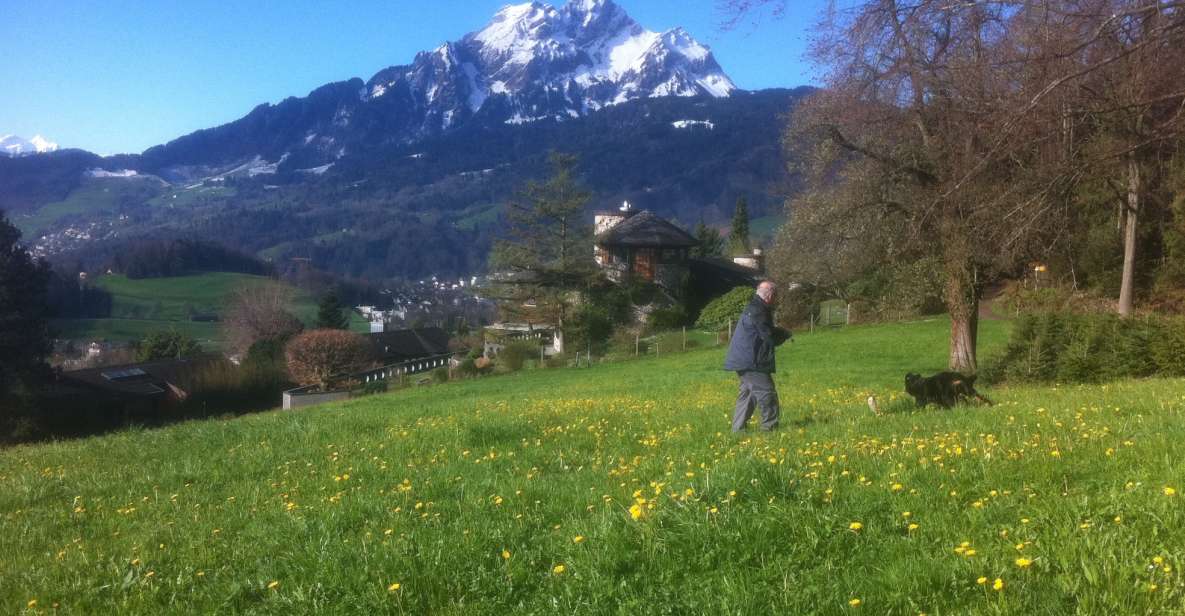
(645, 229)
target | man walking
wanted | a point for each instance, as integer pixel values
(751, 356)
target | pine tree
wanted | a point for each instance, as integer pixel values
(329, 313)
(710, 243)
(738, 237)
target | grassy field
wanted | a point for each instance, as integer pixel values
(152, 304)
(618, 489)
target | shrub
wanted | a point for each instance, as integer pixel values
(1168, 348)
(315, 357)
(514, 355)
(467, 367)
(667, 318)
(440, 375)
(167, 345)
(728, 307)
(1087, 348)
(590, 326)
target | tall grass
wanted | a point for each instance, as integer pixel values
(618, 489)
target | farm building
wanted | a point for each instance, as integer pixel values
(641, 244)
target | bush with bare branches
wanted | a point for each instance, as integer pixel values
(316, 357)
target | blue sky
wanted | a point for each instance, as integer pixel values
(116, 76)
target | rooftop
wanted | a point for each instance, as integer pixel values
(646, 229)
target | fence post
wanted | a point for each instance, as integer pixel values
(637, 343)
(730, 329)
(684, 337)
(812, 322)
(848, 316)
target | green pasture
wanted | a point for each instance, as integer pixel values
(618, 489)
(151, 304)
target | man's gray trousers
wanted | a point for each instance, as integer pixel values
(757, 389)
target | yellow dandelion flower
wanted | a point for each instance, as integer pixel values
(1157, 559)
(854, 602)
(394, 587)
(578, 539)
(637, 511)
(31, 604)
(912, 527)
(855, 526)
(505, 554)
(273, 585)
(998, 584)
(558, 569)
(1170, 491)
(1023, 562)
(981, 580)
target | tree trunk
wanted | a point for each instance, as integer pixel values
(962, 301)
(1127, 284)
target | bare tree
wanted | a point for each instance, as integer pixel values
(316, 357)
(259, 312)
(957, 119)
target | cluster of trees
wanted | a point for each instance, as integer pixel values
(989, 136)
(167, 258)
(24, 328)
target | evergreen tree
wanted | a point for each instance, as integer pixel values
(710, 243)
(24, 329)
(738, 237)
(548, 245)
(167, 345)
(330, 314)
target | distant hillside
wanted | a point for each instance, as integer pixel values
(413, 210)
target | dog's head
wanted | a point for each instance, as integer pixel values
(913, 384)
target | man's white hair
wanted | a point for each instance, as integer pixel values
(766, 289)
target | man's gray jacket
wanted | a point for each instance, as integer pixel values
(754, 340)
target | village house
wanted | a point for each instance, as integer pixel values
(642, 245)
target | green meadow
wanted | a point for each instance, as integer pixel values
(618, 489)
(150, 304)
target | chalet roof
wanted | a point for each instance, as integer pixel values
(407, 344)
(645, 229)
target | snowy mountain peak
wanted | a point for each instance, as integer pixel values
(13, 146)
(586, 55)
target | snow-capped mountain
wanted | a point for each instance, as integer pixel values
(13, 146)
(551, 63)
(532, 62)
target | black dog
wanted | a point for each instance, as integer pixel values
(944, 389)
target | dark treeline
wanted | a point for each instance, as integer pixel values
(166, 258)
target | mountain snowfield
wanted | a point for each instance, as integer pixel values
(531, 62)
(13, 146)
(551, 63)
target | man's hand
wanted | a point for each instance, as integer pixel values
(781, 335)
